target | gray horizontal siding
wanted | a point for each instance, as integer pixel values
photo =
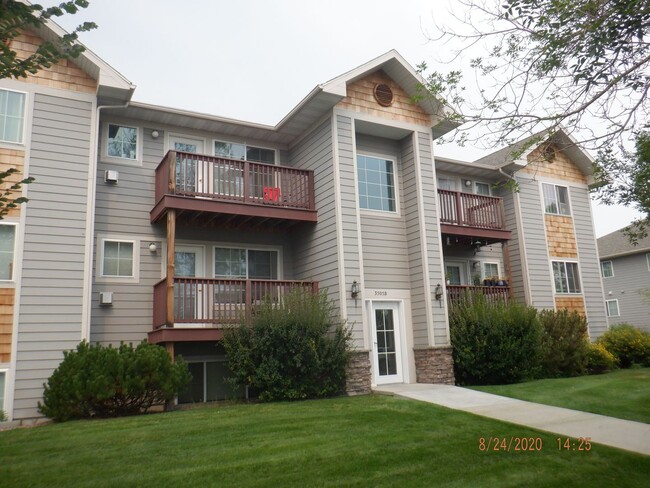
(630, 285)
(515, 247)
(592, 288)
(534, 231)
(50, 312)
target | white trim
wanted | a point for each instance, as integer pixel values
(99, 266)
(21, 144)
(339, 219)
(4, 390)
(103, 155)
(362, 278)
(402, 352)
(647, 258)
(618, 310)
(423, 237)
(12, 278)
(611, 263)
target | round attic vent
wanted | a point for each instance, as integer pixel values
(383, 95)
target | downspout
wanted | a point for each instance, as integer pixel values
(90, 224)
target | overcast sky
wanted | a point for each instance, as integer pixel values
(255, 60)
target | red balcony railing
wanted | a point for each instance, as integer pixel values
(210, 302)
(470, 210)
(234, 181)
(456, 293)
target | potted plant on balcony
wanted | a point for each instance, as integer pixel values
(476, 279)
(502, 282)
(490, 281)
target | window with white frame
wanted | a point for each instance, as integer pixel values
(7, 251)
(243, 152)
(490, 270)
(607, 269)
(647, 258)
(122, 142)
(119, 259)
(376, 184)
(12, 116)
(612, 308)
(556, 199)
(245, 263)
(566, 277)
(482, 188)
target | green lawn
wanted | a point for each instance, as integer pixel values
(624, 394)
(360, 441)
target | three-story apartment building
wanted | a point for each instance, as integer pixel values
(147, 222)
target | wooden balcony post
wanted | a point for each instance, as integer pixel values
(248, 301)
(171, 168)
(171, 238)
(311, 191)
(459, 210)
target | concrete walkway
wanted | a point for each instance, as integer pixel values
(624, 434)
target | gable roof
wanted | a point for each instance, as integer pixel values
(113, 88)
(617, 244)
(563, 140)
(307, 112)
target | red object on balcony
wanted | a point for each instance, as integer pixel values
(199, 183)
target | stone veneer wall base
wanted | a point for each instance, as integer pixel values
(434, 365)
(358, 373)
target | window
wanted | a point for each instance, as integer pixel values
(232, 150)
(452, 274)
(612, 308)
(482, 188)
(647, 258)
(118, 259)
(606, 269)
(245, 263)
(122, 142)
(376, 184)
(490, 269)
(7, 251)
(12, 116)
(566, 277)
(556, 199)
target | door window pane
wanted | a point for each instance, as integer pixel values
(229, 263)
(386, 350)
(453, 275)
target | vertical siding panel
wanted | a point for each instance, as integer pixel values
(56, 216)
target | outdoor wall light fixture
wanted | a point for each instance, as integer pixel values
(153, 247)
(354, 291)
(438, 292)
(468, 183)
(155, 134)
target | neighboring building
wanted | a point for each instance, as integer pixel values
(625, 270)
(147, 222)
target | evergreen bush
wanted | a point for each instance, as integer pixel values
(291, 350)
(564, 343)
(628, 344)
(493, 342)
(96, 380)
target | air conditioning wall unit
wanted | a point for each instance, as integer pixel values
(106, 298)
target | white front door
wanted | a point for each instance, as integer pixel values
(188, 296)
(387, 357)
(192, 174)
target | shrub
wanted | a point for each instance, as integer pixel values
(599, 359)
(291, 350)
(493, 342)
(564, 343)
(628, 344)
(95, 380)
(3, 416)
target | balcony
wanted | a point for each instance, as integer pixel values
(468, 214)
(211, 190)
(457, 293)
(202, 306)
